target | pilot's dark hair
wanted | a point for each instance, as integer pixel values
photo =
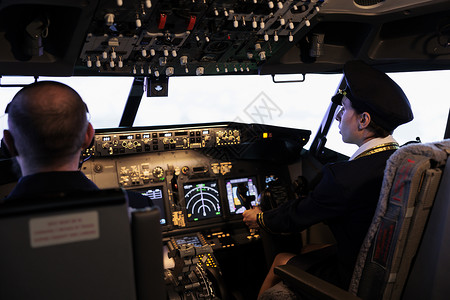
(48, 121)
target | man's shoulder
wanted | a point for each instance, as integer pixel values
(51, 182)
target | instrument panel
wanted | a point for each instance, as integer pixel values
(118, 143)
(167, 38)
(194, 174)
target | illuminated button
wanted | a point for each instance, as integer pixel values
(185, 170)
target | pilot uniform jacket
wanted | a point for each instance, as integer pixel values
(345, 199)
(66, 181)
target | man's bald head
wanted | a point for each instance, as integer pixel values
(48, 121)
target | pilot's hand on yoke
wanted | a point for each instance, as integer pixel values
(250, 216)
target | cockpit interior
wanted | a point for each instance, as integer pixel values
(203, 175)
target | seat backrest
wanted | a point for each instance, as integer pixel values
(411, 180)
(429, 277)
(148, 254)
(67, 247)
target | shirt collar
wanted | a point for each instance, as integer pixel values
(373, 143)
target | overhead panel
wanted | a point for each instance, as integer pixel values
(166, 38)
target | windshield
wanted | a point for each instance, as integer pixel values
(247, 99)
(254, 99)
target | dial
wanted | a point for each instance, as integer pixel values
(158, 172)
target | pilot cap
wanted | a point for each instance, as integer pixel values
(372, 91)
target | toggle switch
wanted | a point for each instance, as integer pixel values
(109, 19)
(262, 55)
(200, 71)
(138, 22)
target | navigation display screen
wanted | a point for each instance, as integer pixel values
(157, 197)
(192, 239)
(202, 200)
(234, 203)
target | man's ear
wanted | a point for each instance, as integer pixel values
(89, 137)
(364, 120)
(8, 141)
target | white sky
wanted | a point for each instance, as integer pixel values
(255, 99)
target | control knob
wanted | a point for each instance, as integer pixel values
(158, 172)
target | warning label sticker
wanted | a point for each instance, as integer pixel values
(383, 242)
(63, 229)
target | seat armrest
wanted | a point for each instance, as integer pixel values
(312, 285)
